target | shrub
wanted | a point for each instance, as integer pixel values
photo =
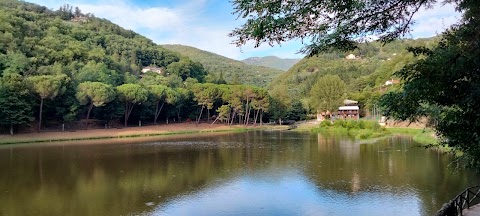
(351, 124)
(339, 123)
(361, 124)
(364, 134)
(325, 123)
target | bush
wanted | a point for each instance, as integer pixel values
(363, 135)
(351, 124)
(372, 125)
(361, 124)
(339, 123)
(325, 123)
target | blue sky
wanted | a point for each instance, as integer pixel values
(205, 23)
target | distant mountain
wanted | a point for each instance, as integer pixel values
(233, 71)
(272, 62)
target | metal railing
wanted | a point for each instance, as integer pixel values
(464, 200)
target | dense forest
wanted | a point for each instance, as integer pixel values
(233, 71)
(63, 70)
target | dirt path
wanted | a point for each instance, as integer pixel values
(178, 128)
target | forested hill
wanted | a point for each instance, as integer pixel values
(363, 70)
(60, 64)
(272, 62)
(36, 40)
(232, 70)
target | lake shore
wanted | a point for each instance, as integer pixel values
(130, 132)
(418, 132)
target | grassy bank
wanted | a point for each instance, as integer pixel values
(361, 130)
(366, 131)
(422, 136)
(99, 134)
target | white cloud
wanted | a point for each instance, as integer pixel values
(136, 18)
(430, 22)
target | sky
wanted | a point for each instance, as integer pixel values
(205, 24)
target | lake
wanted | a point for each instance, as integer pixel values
(249, 173)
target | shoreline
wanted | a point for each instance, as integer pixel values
(425, 137)
(131, 132)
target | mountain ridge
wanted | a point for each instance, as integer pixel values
(272, 62)
(232, 70)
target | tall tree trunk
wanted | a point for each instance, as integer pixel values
(256, 117)
(200, 116)
(157, 111)
(208, 115)
(11, 129)
(233, 117)
(126, 114)
(248, 116)
(215, 120)
(178, 115)
(40, 116)
(128, 111)
(89, 110)
(261, 118)
(246, 111)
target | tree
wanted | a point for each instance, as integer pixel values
(186, 68)
(160, 95)
(46, 87)
(131, 94)
(94, 93)
(327, 24)
(328, 93)
(182, 96)
(280, 103)
(15, 108)
(205, 95)
(444, 86)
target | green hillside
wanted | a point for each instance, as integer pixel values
(233, 70)
(66, 66)
(272, 62)
(364, 76)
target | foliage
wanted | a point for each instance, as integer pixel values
(235, 72)
(15, 108)
(94, 93)
(326, 24)
(328, 93)
(360, 129)
(46, 87)
(130, 95)
(444, 85)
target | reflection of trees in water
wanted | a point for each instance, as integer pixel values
(393, 165)
(120, 179)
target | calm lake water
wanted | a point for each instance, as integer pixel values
(252, 173)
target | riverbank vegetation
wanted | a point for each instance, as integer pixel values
(361, 129)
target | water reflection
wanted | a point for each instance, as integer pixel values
(266, 173)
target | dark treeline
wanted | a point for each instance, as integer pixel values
(66, 68)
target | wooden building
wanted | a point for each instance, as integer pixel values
(351, 110)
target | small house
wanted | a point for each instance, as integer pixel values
(152, 69)
(350, 110)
